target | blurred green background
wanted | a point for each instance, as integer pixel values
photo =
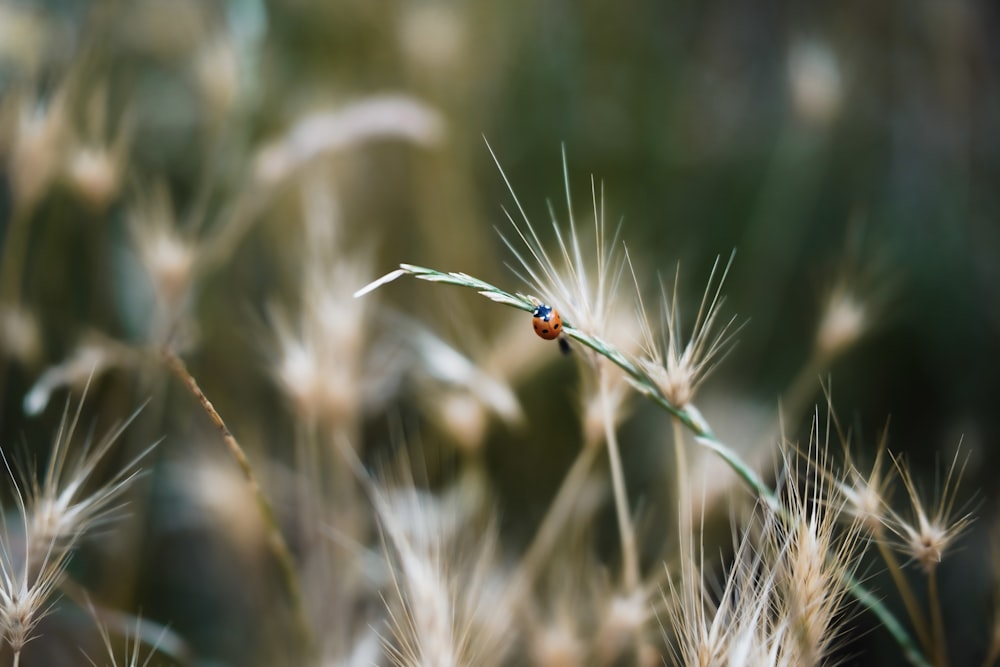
(823, 141)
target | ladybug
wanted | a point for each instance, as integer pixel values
(547, 322)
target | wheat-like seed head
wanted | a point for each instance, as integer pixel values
(707, 628)
(865, 495)
(557, 644)
(845, 320)
(94, 173)
(679, 366)
(38, 145)
(815, 81)
(932, 529)
(783, 598)
(96, 162)
(819, 557)
(61, 507)
(56, 512)
(445, 610)
(20, 336)
(319, 353)
(579, 277)
(30, 570)
(859, 300)
(217, 69)
(168, 255)
(621, 620)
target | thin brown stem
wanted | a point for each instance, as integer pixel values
(940, 649)
(626, 532)
(558, 514)
(905, 591)
(275, 540)
(994, 651)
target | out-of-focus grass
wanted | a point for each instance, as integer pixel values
(840, 147)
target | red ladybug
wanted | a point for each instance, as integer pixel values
(547, 322)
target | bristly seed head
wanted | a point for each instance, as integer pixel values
(97, 161)
(932, 530)
(679, 368)
(818, 556)
(55, 513)
(38, 146)
(578, 280)
(845, 320)
(786, 591)
(862, 497)
(167, 256)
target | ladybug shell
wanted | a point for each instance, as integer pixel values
(547, 322)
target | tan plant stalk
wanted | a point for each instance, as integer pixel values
(905, 590)
(626, 532)
(683, 508)
(940, 646)
(557, 516)
(275, 540)
(864, 497)
(927, 535)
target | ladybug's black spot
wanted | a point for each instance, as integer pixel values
(545, 330)
(555, 326)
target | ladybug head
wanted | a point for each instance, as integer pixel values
(543, 312)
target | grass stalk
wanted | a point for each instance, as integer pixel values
(681, 487)
(626, 531)
(940, 650)
(557, 515)
(905, 592)
(275, 540)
